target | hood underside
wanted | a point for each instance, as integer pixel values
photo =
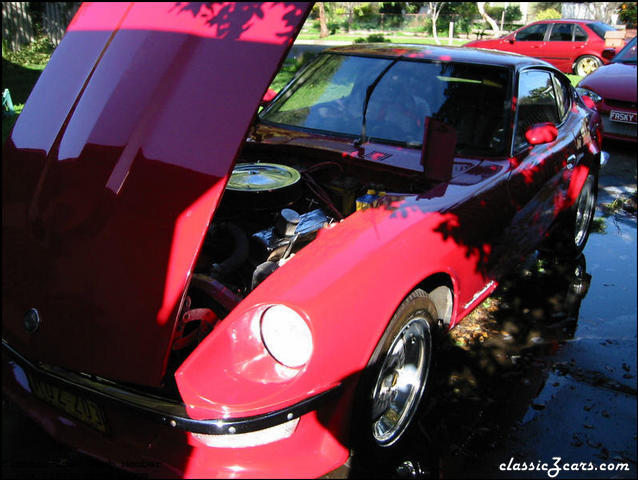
(115, 168)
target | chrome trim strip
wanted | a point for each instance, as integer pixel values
(478, 294)
(163, 410)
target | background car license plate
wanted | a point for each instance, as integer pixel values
(81, 408)
(625, 117)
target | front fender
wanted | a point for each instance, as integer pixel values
(347, 283)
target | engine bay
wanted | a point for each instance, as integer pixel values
(274, 205)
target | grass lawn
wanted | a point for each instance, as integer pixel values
(395, 38)
(19, 79)
(574, 79)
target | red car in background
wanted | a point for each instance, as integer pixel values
(192, 288)
(570, 45)
(613, 89)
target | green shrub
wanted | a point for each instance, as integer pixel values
(333, 27)
(377, 38)
(426, 27)
(37, 52)
(548, 14)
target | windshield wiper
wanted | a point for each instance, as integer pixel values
(359, 141)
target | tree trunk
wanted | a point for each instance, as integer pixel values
(350, 10)
(435, 9)
(323, 28)
(488, 19)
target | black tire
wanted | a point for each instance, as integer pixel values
(395, 381)
(570, 235)
(586, 65)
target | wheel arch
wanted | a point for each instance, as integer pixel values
(440, 288)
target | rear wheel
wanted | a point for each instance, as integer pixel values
(393, 385)
(586, 65)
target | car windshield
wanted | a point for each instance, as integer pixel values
(329, 97)
(600, 28)
(627, 54)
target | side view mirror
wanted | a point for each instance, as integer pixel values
(540, 133)
(609, 53)
(511, 40)
(268, 96)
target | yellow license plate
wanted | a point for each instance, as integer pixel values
(81, 408)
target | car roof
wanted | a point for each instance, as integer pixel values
(566, 20)
(442, 53)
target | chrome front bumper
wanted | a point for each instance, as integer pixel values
(162, 410)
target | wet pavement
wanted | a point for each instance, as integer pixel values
(544, 372)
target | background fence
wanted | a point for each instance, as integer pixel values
(19, 19)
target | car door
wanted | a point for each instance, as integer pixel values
(559, 50)
(581, 41)
(530, 41)
(539, 180)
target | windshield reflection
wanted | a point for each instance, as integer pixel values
(627, 54)
(329, 97)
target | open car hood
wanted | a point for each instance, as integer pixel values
(115, 168)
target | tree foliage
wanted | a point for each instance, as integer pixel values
(461, 13)
(512, 13)
(627, 13)
(548, 14)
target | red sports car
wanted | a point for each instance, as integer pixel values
(570, 45)
(613, 89)
(191, 289)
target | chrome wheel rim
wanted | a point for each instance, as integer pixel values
(401, 381)
(584, 212)
(587, 65)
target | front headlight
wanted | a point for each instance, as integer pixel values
(593, 95)
(286, 336)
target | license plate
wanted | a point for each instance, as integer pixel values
(625, 117)
(78, 407)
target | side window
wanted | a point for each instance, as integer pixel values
(535, 33)
(562, 97)
(536, 103)
(561, 32)
(580, 35)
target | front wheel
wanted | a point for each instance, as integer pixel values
(395, 381)
(586, 65)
